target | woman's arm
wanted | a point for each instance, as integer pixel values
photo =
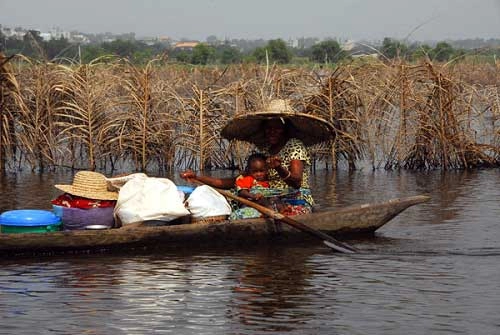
(296, 169)
(224, 183)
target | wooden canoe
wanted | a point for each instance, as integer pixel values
(351, 221)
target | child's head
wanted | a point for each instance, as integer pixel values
(257, 167)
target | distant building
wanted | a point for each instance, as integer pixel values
(46, 36)
(57, 33)
(163, 40)
(166, 40)
(213, 40)
(17, 33)
(306, 42)
(348, 45)
(79, 38)
(293, 43)
(372, 55)
(186, 46)
(361, 50)
(149, 40)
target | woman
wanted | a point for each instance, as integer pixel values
(288, 162)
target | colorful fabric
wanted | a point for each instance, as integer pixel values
(72, 201)
(244, 213)
(295, 207)
(294, 149)
(287, 206)
(249, 182)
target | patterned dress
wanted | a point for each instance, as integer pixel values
(300, 201)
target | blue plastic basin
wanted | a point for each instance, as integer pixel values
(29, 221)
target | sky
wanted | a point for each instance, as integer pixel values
(417, 20)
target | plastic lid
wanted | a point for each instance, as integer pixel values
(28, 218)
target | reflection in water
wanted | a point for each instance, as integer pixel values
(271, 287)
(44, 295)
(30, 190)
(432, 270)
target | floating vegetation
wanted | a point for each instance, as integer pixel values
(113, 115)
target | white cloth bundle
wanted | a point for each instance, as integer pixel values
(204, 202)
(144, 198)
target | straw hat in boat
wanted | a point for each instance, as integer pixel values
(249, 127)
(89, 184)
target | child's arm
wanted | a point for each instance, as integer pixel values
(224, 183)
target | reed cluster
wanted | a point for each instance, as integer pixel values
(114, 115)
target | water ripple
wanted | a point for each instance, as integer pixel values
(432, 270)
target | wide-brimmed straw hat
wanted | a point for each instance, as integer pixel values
(249, 127)
(89, 184)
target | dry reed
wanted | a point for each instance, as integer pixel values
(109, 113)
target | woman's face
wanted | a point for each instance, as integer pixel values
(275, 131)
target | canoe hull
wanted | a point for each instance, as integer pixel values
(348, 221)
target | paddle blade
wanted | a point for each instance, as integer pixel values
(340, 247)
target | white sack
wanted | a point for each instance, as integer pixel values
(204, 201)
(147, 198)
(116, 183)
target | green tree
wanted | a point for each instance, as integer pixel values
(56, 47)
(460, 53)
(33, 35)
(202, 54)
(277, 51)
(14, 46)
(3, 41)
(227, 54)
(327, 52)
(91, 52)
(259, 54)
(442, 52)
(120, 48)
(183, 57)
(142, 56)
(421, 51)
(393, 48)
(33, 45)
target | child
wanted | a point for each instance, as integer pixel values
(250, 185)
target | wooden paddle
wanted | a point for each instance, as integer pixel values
(327, 239)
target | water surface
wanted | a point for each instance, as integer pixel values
(432, 270)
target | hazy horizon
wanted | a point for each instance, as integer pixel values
(344, 19)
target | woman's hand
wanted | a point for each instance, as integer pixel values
(188, 175)
(273, 162)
